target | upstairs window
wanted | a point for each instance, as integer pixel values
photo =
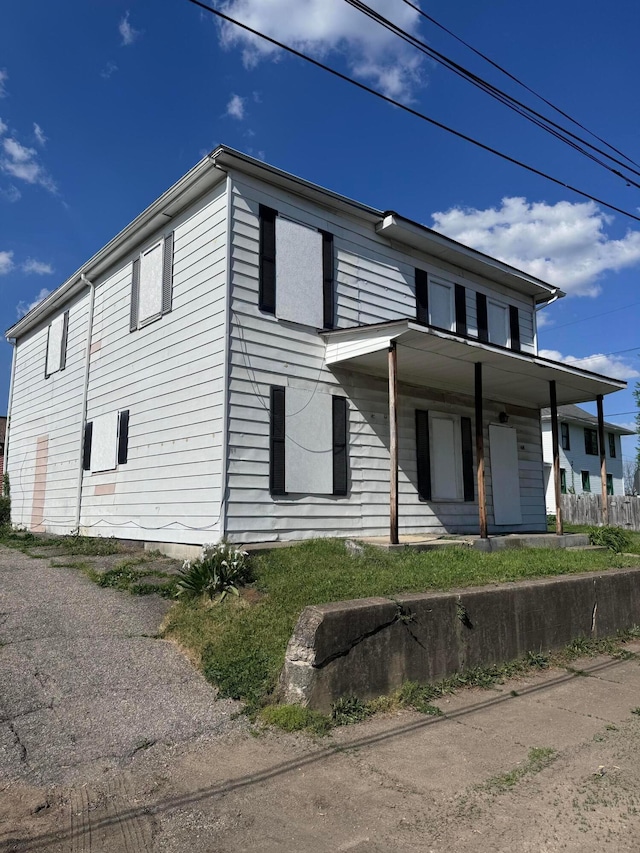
(152, 283)
(498, 323)
(590, 441)
(296, 271)
(564, 436)
(612, 444)
(57, 333)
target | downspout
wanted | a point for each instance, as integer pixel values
(9, 405)
(85, 391)
(224, 467)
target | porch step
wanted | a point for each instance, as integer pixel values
(531, 540)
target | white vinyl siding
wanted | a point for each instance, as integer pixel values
(298, 273)
(170, 376)
(150, 294)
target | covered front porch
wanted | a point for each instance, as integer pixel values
(419, 355)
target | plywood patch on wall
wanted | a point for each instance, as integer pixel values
(40, 483)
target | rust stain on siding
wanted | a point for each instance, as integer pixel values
(40, 483)
(105, 489)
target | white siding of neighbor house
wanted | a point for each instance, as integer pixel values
(169, 374)
(46, 413)
(575, 460)
(374, 282)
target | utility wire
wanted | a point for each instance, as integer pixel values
(411, 111)
(595, 316)
(522, 109)
(517, 80)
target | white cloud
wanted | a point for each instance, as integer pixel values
(127, 32)
(235, 107)
(11, 193)
(564, 243)
(608, 365)
(23, 308)
(21, 162)
(36, 267)
(4, 76)
(544, 320)
(108, 71)
(38, 132)
(6, 262)
(3, 127)
(322, 27)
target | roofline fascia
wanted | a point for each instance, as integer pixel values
(582, 421)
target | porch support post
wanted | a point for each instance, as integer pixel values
(482, 497)
(393, 444)
(556, 454)
(603, 462)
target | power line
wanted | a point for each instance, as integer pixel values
(596, 316)
(516, 80)
(541, 121)
(411, 111)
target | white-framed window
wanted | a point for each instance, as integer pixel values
(57, 333)
(152, 283)
(441, 304)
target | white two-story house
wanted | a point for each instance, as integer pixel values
(259, 358)
(580, 454)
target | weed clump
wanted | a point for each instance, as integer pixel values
(221, 570)
(614, 538)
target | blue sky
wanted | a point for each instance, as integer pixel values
(104, 104)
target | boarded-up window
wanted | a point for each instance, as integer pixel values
(152, 283)
(57, 344)
(441, 312)
(498, 321)
(299, 274)
(104, 442)
(445, 456)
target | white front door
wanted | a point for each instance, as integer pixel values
(505, 479)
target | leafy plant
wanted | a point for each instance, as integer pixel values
(349, 709)
(614, 538)
(221, 570)
(5, 511)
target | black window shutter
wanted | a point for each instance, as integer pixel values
(340, 449)
(481, 307)
(63, 342)
(276, 442)
(514, 323)
(422, 296)
(467, 459)
(423, 455)
(135, 295)
(86, 446)
(327, 280)
(167, 274)
(461, 310)
(46, 354)
(123, 437)
(267, 295)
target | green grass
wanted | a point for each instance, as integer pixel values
(633, 548)
(29, 543)
(537, 759)
(241, 645)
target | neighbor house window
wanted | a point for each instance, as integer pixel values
(444, 457)
(590, 441)
(563, 481)
(564, 433)
(296, 274)
(308, 442)
(612, 444)
(586, 481)
(106, 442)
(609, 484)
(152, 283)
(57, 333)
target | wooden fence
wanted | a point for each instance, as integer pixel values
(624, 510)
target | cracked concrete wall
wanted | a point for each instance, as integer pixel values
(369, 647)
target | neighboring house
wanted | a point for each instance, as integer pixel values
(259, 358)
(580, 454)
(3, 431)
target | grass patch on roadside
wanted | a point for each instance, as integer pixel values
(634, 537)
(537, 759)
(29, 543)
(241, 643)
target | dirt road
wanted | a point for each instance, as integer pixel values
(110, 741)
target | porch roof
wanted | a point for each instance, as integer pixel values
(435, 358)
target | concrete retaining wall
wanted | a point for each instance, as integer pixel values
(369, 647)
